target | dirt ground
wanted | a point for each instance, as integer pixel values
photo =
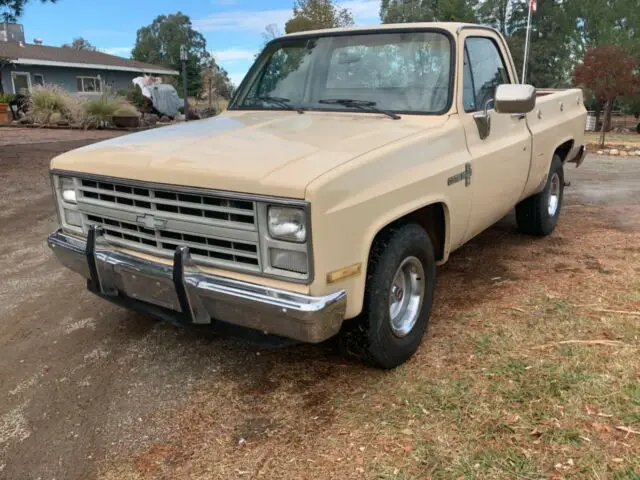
(88, 390)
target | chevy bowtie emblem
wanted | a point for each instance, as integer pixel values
(151, 222)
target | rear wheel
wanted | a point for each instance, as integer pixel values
(538, 215)
(399, 293)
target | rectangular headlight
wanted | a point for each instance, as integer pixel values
(292, 261)
(286, 223)
(65, 194)
(68, 190)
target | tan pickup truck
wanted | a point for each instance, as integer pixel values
(350, 163)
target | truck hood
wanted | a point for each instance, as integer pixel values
(269, 153)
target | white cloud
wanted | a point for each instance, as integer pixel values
(224, 2)
(234, 54)
(119, 51)
(364, 12)
(241, 20)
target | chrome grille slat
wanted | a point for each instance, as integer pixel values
(211, 208)
(219, 231)
(147, 199)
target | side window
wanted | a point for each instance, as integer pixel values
(486, 70)
(468, 90)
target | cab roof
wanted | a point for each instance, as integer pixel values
(451, 27)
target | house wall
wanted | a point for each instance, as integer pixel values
(66, 77)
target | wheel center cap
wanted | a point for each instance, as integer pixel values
(397, 292)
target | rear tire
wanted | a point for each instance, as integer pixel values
(538, 215)
(399, 293)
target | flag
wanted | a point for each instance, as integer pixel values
(533, 6)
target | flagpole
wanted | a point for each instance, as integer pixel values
(526, 43)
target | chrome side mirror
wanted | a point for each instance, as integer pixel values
(515, 98)
(483, 120)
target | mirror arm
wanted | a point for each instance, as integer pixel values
(483, 120)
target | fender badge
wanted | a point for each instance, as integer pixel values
(466, 176)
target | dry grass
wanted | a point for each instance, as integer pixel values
(612, 140)
(529, 371)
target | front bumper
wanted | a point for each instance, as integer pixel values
(183, 293)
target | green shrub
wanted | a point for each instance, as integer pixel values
(134, 97)
(126, 110)
(7, 97)
(45, 100)
(100, 110)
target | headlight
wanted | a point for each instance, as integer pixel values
(68, 190)
(287, 223)
(292, 261)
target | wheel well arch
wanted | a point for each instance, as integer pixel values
(564, 149)
(434, 218)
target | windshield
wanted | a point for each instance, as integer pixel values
(406, 72)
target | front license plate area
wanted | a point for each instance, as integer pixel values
(160, 292)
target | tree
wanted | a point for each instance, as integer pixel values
(216, 82)
(608, 71)
(317, 14)
(80, 43)
(159, 43)
(404, 11)
(11, 10)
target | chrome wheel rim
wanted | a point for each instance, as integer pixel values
(554, 195)
(405, 296)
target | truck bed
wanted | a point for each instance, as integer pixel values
(557, 113)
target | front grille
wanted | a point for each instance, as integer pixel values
(219, 231)
(205, 208)
(201, 247)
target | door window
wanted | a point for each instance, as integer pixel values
(484, 70)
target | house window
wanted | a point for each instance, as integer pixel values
(89, 84)
(21, 82)
(38, 79)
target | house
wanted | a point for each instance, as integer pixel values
(23, 65)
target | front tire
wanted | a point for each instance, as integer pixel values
(538, 215)
(399, 293)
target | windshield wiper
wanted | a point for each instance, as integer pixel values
(280, 101)
(364, 105)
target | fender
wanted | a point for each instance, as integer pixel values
(403, 211)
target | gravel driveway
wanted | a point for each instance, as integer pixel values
(85, 385)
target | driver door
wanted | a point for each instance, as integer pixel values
(500, 161)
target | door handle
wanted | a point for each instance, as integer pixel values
(519, 116)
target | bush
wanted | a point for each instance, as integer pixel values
(7, 97)
(134, 97)
(45, 100)
(99, 111)
(126, 110)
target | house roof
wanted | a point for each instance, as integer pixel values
(30, 54)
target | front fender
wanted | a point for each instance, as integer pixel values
(351, 204)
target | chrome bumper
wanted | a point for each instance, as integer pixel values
(580, 156)
(185, 294)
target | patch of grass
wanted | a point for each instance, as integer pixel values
(613, 138)
(494, 463)
(48, 101)
(100, 110)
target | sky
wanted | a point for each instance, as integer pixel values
(233, 28)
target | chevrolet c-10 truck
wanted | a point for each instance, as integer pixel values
(349, 164)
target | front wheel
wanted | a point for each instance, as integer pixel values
(538, 215)
(399, 294)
